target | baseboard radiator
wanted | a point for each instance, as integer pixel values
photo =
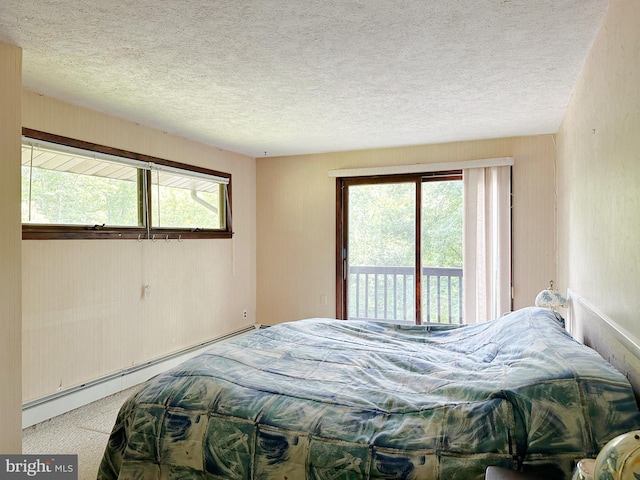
(45, 408)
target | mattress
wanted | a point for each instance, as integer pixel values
(332, 399)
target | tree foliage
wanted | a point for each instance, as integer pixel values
(65, 198)
(382, 224)
(442, 224)
(175, 207)
(53, 197)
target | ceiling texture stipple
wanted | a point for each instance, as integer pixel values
(292, 77)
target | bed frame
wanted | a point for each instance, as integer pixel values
(591, 327)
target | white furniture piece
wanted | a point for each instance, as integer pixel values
(497, 473)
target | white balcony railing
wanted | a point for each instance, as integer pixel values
(388, 293)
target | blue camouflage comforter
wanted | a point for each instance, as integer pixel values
(328, 399)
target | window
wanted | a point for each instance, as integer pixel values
(182, 199)
(73, 189)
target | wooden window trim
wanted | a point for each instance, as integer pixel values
(69, 232)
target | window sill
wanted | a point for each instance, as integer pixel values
(47, 232)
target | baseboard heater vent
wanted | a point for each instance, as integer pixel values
(44, 408)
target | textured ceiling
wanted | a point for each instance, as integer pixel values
(304, 76)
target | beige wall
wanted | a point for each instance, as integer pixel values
(10, 269)
(84, 314)
(599, 173)
(296, 220)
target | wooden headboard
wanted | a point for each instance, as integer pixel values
(589, 326)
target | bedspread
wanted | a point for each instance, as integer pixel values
(329, 399)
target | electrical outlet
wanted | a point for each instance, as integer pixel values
(244, 314)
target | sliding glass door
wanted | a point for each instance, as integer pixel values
(391, 228)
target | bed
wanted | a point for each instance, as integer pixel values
(329, 399)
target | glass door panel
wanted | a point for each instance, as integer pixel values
(382, 251)
(441, 251)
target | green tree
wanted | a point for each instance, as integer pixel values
(382, 224)
(57, 197)
(442, 224)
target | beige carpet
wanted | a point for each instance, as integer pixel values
(83, 431)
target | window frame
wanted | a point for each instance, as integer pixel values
(342, 230)
(143, 232)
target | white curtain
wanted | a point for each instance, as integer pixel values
(487, 243)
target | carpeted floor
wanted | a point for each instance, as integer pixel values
(83, 431)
